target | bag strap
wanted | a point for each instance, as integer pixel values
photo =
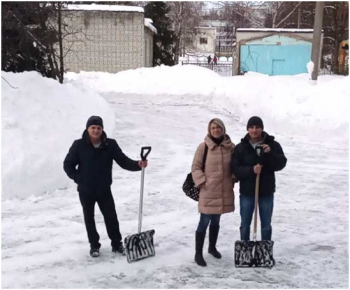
(205, 155)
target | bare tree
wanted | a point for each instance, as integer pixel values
(280, 12)
(257, 14)
(241, 14)
(9, 83)
(185, 16)
(54, 23)
(33, 35)
(62, 21)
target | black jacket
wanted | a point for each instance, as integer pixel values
(94, 172)
(244, 159)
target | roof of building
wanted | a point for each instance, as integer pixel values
(99, 7)
(275, 30)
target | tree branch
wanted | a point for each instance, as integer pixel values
(8, 83)
(290, 13)
(25, 28)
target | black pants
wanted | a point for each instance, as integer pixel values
(105, 202)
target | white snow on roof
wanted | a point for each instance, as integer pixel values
(148, 23)
(99, 7)
(276, 29)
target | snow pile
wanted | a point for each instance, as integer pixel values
(310, 67)
(287, 104)
(40, 119)
(161, 80)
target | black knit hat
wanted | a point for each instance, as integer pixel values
(94, 120)
(255, 121)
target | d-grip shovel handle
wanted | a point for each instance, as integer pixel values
(259, 150)
(143, 155)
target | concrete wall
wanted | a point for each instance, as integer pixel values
(108, 41)
(148, 48)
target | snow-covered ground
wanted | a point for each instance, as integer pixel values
(44, 244)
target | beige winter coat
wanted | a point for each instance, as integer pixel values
(216, 182)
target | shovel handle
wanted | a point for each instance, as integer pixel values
(257, 182)
(143, 154)
(143, 157)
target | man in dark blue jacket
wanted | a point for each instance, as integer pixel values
(245, 167)
(89, 163)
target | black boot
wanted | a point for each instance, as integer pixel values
(118, 248)
(198, 258)
(213, 237)
(95, 250)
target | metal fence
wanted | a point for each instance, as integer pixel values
(222, 68)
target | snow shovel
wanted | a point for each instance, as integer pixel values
(254, 253)
(140, 246)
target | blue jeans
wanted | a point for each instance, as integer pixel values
(265, 210)
(214, 220)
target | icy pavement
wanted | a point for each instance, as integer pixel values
(44, 243)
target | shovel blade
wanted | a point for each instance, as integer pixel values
(250, 254)
(139, 246)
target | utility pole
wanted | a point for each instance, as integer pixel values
(316, 41)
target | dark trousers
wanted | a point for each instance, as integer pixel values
(205, 219)
(247, 204)
(105, 202)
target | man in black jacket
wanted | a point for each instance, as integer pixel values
(245, 167)
(89, 163)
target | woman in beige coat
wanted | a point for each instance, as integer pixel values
(216, 186)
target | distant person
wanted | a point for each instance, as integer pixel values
(209, 59)
(215, 60)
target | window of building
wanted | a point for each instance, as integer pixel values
(203, 40)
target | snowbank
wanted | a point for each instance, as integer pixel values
(40, 120)
(288, 104)
(160, 80)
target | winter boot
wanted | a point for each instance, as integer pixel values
(213, 237)
(119, 248)
(198, 258)
(94, 252)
